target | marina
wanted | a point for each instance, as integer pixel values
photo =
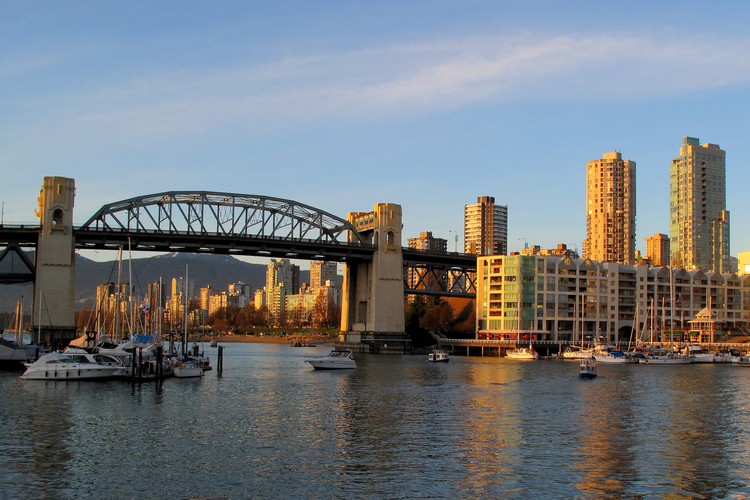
(507, 430)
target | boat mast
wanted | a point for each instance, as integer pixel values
(185, 337)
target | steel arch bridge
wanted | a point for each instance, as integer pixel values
(222, 223)
(237, 224)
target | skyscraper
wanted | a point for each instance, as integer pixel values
(698, 219)
(657, 249)
(486, 227)
(610, 210)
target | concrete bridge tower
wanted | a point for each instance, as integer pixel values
(373, 305)
(54, 287)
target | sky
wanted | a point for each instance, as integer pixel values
(342, 105)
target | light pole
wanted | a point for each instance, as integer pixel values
(455, 247)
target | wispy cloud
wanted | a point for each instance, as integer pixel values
(417, 78)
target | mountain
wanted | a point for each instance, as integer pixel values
(216, 270)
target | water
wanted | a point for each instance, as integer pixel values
(396, 427)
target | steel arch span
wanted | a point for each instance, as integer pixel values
(189, 219)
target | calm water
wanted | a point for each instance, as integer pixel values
(396, 427)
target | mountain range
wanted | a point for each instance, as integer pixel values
(216, 270)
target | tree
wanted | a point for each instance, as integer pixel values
(438, 317)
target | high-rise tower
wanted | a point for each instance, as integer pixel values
(486, 227)
(610, 209)
(698, 219)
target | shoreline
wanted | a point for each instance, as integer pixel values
(273, 339)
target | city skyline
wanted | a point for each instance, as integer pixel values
(424, 105)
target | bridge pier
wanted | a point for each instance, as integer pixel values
(372, 311)
(54, 287)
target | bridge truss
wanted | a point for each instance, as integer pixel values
(223, 223)
(452, 275)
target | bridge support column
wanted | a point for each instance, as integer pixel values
(373, 300)
(54, 288)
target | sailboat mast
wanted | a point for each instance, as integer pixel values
(184, 342)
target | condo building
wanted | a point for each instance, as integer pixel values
(562, 299)
(657, 249)
(486, 227)
(698, 219)
(610, 209)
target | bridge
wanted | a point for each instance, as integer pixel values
(377, 270)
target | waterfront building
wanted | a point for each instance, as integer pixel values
(563, 299)
(610, 209)
(699, 221)
(657, 249)
(486, 227)
(743, 263)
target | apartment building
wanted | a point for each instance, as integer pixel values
(657, 249)
(699, 221)
(610, 209)
(486, 227)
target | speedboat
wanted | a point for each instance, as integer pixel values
(59, 366)
(588, 368)
(523, 353)
(336, 360)
(438, 356)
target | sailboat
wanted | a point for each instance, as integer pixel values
(522, 353)
(661, 355)
(13, 353)
(574, 351)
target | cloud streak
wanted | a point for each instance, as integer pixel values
(410, 79)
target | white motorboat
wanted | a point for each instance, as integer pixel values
(59, 366)
(13, 355)
(336, 360)
(83, 356)
(438, 356)
(523, 353)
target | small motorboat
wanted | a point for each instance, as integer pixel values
(337, 359)
(588, 368)
(438, 356)
(59, 366)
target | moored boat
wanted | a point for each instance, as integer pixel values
(523, 353)
(610, 355)
(187, 368)
(58, 366)
(337, 359)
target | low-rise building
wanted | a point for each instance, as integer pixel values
(563, 299)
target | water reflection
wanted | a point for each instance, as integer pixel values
(395, 427)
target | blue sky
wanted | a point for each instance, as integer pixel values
(341, 105)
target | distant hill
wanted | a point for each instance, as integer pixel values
(216, 270)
